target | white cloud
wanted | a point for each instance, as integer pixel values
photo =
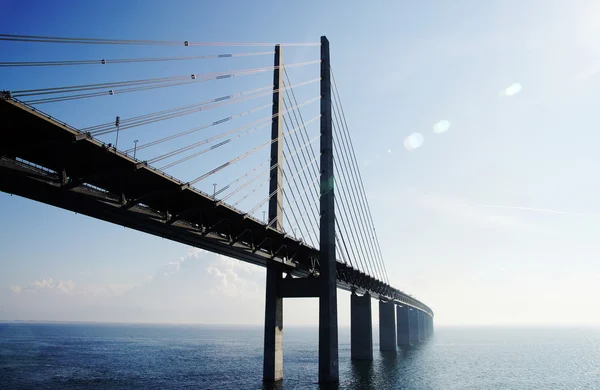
(65, 286)
(200, 287)
(45, 283)
(49, 285)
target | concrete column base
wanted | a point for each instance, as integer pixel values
(421, 321)
(273, 341)
(403, 325)
(361, 328)
(387, 326)
(414, 326)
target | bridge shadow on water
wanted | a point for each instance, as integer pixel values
(383, 373)
(388, 370)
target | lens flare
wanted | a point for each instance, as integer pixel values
(413, 141)
(441, 127)
(513, 89)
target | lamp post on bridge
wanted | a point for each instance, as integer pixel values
(117, 125)
(134, 147)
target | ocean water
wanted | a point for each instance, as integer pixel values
(84, 356)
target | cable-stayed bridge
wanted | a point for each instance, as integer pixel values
(254, 162)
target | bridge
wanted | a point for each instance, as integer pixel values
(308, 247)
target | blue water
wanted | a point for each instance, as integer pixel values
(77, 356)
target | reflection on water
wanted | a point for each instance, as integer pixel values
(174, 357)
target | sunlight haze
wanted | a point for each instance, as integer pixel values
(475, 125)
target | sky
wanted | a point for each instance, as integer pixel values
(475, 126)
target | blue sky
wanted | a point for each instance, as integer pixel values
(494, 221)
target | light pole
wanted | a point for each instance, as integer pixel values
(117, 124)
(134, 147)
(214, 190)
(264, 212)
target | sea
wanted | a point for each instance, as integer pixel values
(123, 356)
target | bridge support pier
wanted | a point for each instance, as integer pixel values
(387, 326)
(273, 341)
(403, 326)
(361, 328)
(414, 326)
(430, 326)
(421, 325)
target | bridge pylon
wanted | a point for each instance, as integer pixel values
(273, 341)
(328, 326)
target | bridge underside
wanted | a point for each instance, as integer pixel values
(48, 161)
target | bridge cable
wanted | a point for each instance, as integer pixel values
(316, 223)
(190, 111)
(312, 151)
(207, 140)
(361, 187)
(310, 232)
(295, 202)
(237, 180)
(5, 64)
(266, 199)
(361, 221)
(348, 204)
(291, 89)
(195, 129)
(261, 173)
(286, 216)
(110, 92)
(305, 158)
(140, 120)
(135, 119)
(210, 148)
(194, 145)
(304, 153)
(104, 41)
(127, 83)
(238, 158)
(346, 188)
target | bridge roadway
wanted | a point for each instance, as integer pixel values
(44, 159)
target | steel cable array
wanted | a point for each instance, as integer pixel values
(219, 145)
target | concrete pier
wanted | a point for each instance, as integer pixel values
(414, 326)
(361, 328)
(420, 325)
(422, 334)
(273, 341)
(431, 326)
(387, 326)
(403, 325)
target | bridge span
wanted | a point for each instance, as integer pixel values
(46, 160)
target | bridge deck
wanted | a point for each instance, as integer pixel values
(46, 160)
